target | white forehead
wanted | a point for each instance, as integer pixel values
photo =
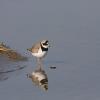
(43, 41)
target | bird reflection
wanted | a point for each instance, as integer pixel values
(39, 78)
(10, 61)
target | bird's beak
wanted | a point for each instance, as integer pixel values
(50, 44)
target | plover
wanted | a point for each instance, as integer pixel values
(39, 50)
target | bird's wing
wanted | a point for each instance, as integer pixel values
(36, 47)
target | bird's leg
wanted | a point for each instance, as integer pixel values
(39, 62)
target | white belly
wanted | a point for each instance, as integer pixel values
(40, 54)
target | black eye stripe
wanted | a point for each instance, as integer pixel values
(45, 44)
(44, 81)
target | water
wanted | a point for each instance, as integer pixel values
(72, 26)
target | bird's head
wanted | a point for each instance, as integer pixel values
(45, 43)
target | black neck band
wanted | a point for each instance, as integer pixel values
(44, 49)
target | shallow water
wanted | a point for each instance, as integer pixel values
(73, 28)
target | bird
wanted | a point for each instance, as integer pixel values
(39, 50)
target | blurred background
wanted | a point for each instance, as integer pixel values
(73, 27)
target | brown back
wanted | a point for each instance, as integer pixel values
(36, 47)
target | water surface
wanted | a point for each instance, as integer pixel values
(73, 27)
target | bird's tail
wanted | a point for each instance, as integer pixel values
(29, 49)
